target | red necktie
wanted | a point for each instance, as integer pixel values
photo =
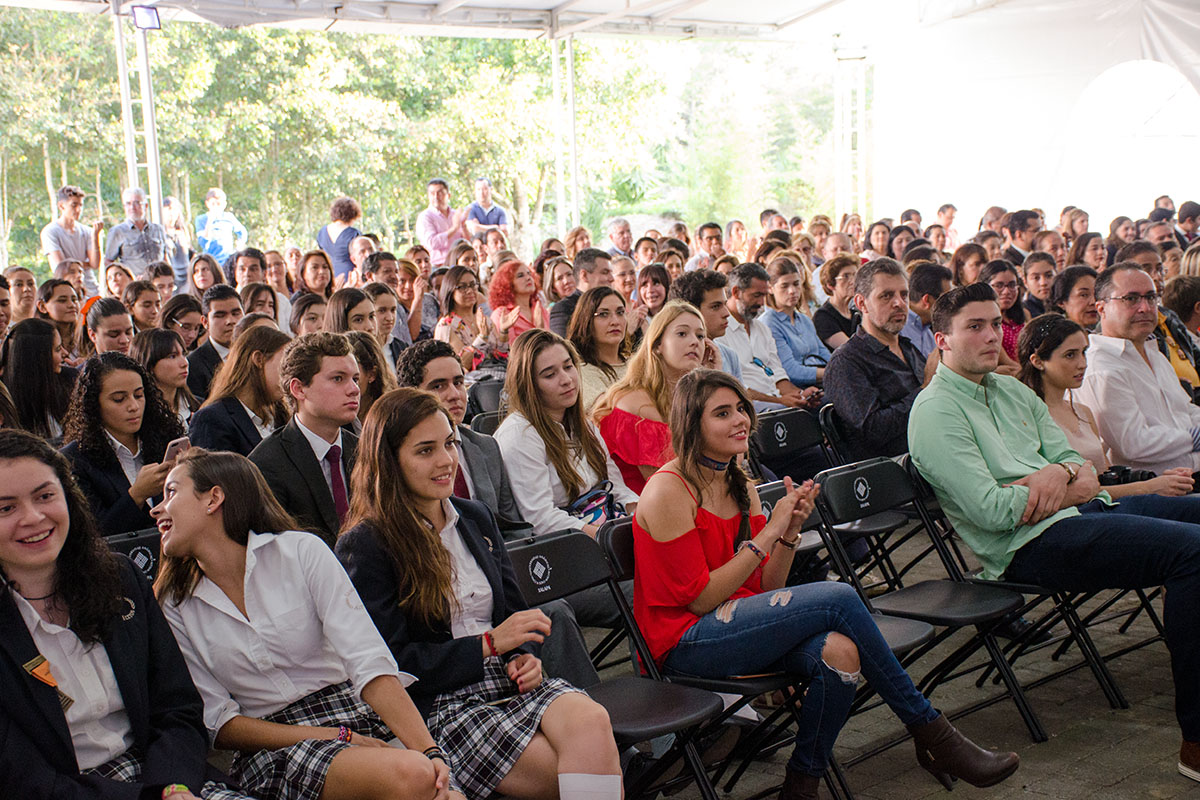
(337, 483)
(460, 485)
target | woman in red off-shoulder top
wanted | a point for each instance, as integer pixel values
(710, 594)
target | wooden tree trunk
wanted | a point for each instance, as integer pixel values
(53, 195)
(539, 201)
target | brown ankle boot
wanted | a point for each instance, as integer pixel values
(1189, 760)
(799, 786)
(949, 755)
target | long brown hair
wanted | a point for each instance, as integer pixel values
(687, 415)
(249, 506)
(574, 435)
(240, 372)
(645, 369)
(380, 497)
(581, 330)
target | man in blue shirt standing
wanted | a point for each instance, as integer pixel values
(219, 232)
(484, 215)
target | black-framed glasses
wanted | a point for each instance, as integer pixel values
(466, 287)
(1133, 300)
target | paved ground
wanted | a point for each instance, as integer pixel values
(1093, 751)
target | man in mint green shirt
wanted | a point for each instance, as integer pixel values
(1032, 508)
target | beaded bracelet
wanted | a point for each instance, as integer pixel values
(491, 643)
(174, 788)
(344, 734)
(753, 548)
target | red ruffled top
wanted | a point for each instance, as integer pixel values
(670, 575)
(634, 441)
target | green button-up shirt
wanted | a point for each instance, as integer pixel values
(969, 440)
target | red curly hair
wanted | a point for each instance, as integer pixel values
(500, 290)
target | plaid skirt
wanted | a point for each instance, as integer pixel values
(298, 772)
(485, 726)
(128, 767)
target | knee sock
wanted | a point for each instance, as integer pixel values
(581, 786)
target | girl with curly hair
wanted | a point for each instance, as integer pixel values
(118, 426)
(73, 610)
(516, 306)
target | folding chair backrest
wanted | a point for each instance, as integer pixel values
(863, 488)
(616, 538)
(485, 395)
(786, 432)
(554, 566)
(142, 547)
(835, 434)
(486, 422)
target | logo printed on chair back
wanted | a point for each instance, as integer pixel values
(539, 572)
(781, 433)
(143, 558)
(862, 491)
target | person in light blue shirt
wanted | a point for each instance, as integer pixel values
(219, 232)
(800, 349)
(926, 283)
(483, 215)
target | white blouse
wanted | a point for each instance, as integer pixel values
(96, 717)
(535, 485)
(473, 615)
(305, 629)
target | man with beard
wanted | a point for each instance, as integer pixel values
(873, 379)
(762, 373)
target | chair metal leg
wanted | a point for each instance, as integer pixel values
(1014, 688)
(1091, 654)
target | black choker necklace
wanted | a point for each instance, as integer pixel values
(44, 597)
(712, 463)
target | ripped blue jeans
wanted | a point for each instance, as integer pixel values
(785, 631)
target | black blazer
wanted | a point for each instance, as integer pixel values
(397, 347)
(288, 462)
(37, 760)
(107, 490)
(203, 363)
(560, 313)
(224, 425)
(441, 662)
(1014, 257)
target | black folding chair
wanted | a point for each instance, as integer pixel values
(486, 422)
(1064, 605)
(869, 487)
(617, 540)
(142, 547)
(484, 395)
(641, 709)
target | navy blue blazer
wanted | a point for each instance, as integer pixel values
(441, 662)
(37, 759)
(107, 491)
(224, 425)
(203, 363)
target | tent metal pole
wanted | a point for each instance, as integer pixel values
(149, 128)
(131, 169)
(560, 197)
(574, 137)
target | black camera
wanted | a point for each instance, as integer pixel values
(1119, 474)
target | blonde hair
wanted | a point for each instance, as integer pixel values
(1190, 264)
(645, 370)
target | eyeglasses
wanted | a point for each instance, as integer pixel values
(1000, 286)
(603, 315)
(464, 287)
(1135, 300)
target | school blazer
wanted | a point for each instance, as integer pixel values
(203, 363)
(431, 653)
(224, 425)
(107, 490)
(37, 759)
(488, 474)
(288, 462)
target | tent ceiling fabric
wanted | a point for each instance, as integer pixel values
(725, 19)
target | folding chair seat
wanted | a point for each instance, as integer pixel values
(868, 487)
(1063, 605)
(551, 567)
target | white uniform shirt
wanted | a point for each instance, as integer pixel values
(305, 629)
(755, 344)
(263, 427)
(1145, 417)
(469, 583)
(99, 725)
(320, 450)
(131, 463)
(539, 493)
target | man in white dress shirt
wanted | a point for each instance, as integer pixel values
(1144, 415)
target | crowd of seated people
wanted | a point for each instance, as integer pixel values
(295, 423)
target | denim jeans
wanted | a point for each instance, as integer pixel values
(1145, 541)
(785, 631)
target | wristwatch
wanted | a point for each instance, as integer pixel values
(1072, 469)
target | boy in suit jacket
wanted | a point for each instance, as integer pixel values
(307, 463)
(222, 308)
